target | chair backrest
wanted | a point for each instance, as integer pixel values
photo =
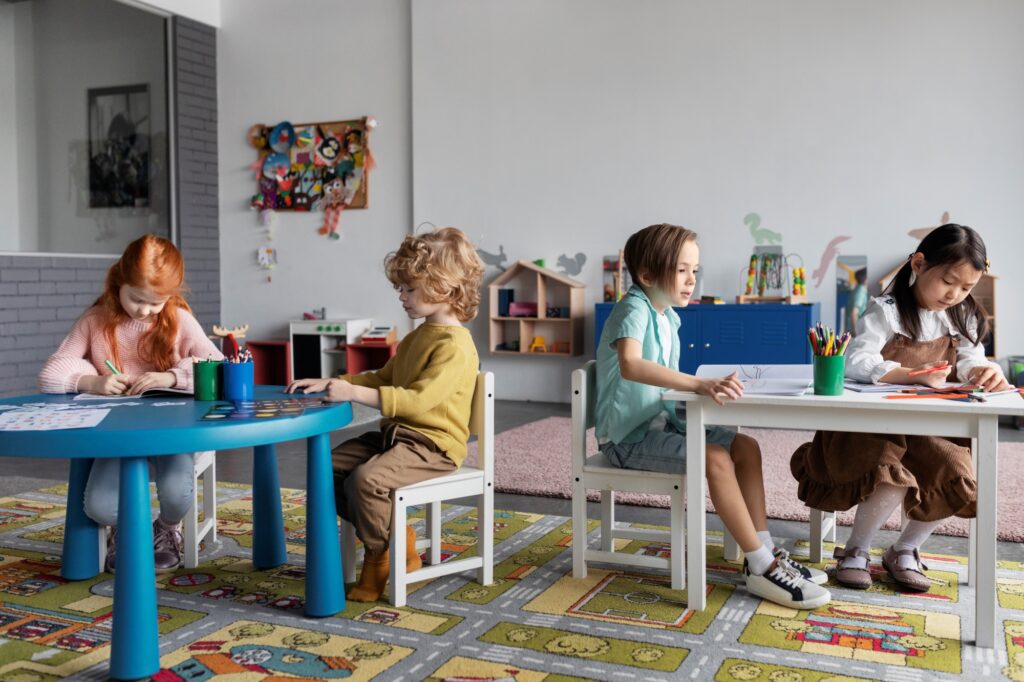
(584, 393)
(481, 423)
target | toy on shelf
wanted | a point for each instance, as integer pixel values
(384, 336)
(315, 314)
(767, 275)
(616, 278)
(539, 345)
(522, 309)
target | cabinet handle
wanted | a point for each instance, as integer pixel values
(691, 345)
(707, 345)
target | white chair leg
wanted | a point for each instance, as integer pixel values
(677, 545)
(433, 513)
(102, 537)
(832, 527)
(816, 548)
(972, 553)
(204, 471)
(190, 526)
(972, 528)
(485, 534)
(608, 520)
(579, 529)
(210, 499)
(348, 551)
(398, 582)
(731, 549)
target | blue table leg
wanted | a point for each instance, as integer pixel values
(268, 548)
(134, 652)
(81, 558)
(325, 588)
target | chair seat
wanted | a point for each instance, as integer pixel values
(461, 474)
(599, 464)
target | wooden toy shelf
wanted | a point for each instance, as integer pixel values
(560, 334)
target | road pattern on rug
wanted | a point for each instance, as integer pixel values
(227, 620)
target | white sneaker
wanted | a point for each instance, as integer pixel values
(814, 575)
(785, 586)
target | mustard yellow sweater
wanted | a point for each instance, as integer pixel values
(428, 386)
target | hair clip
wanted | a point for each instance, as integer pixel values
(986, 265)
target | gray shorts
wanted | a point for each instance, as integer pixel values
(663, 451)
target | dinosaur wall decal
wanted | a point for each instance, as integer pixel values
(827, 256)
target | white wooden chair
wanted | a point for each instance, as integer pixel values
(467, 481)
(596, 472)
(204, 468)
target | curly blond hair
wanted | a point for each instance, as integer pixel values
(444, 265)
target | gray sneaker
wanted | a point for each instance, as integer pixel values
(166, 546)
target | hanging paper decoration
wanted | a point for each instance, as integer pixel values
(266, 256)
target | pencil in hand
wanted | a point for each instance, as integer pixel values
(928, 370)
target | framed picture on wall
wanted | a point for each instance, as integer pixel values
(119, 146)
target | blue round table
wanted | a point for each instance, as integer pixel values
(133, 433)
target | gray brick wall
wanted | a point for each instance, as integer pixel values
(194, 53)
(42, 296)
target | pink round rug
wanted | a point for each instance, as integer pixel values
(534, 460)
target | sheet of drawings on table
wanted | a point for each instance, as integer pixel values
(764, 379)
(261, 409)
(29, 418)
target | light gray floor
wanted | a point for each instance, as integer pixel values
(20, 474)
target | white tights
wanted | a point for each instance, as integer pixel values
(873, 512)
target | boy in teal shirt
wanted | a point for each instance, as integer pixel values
(637, 360)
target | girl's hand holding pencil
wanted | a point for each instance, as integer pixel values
(933, 374)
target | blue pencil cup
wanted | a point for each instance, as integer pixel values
(239, 383)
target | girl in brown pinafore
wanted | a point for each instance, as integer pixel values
(927, 320)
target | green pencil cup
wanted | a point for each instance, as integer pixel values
(829, 372)
(206, 379)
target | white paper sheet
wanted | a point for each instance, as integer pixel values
(51, 420)
(765, 379)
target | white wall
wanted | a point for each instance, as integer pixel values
(328, 61)
(557, 127)
(206, 11)
(18, 211)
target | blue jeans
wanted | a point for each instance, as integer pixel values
(663, 451)
(174, 488)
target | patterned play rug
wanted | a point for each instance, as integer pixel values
(228, 621)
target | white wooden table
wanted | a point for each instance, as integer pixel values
(858, 412)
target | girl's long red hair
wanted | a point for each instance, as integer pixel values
(155, 264)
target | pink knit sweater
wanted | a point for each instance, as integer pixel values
(84, 351)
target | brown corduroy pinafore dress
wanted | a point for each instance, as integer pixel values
(838, 470)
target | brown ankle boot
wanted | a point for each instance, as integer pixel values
(373, 579)
(412, 555)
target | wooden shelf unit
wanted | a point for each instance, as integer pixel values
(549, 289)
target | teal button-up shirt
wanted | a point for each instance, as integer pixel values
(625, 409)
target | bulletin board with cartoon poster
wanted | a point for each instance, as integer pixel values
(313, 167)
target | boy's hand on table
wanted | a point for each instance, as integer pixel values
(308, 385)
(730, 387)
(339, 391)
(989, 377)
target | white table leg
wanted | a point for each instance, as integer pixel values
(696, 552)
(985, 594)
(972, 528)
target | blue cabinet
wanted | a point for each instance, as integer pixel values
(766, 333)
